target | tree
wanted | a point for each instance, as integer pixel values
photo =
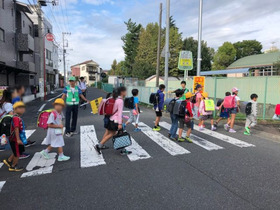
(207, 54)
(113, 68)
(224, 57)
(247, 47)
(131, 40)
(121, 68)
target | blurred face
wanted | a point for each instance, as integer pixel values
(199, 89)
(58, 108)
(236, 92)
(14, 94)
(21, 91)
(123, 94)
(20, 110)
(255, 99)
(72, 83)
(183, 85)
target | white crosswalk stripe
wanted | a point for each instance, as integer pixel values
(225, 138)
(2, 183)
(29, 133)
(1, 164)
(171, 147)
(138, 153)
(89, 156)
(196, 139)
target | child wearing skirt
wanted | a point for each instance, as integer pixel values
(55, 132)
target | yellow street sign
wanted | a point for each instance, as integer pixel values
(95, 104)
(185, 60)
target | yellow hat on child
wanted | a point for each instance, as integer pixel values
(59, 101)
(18, 104)
(189, 95)
(204, 94)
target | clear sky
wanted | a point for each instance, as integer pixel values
(97, 25)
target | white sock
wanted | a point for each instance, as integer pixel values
(212, 126)
(61, 154)
(47, 151)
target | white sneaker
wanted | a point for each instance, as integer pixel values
(63, 158)
(68, 135)
(213, 128)
(226, 127)
(232, 131)
(45, 154)
(201, 128)
(74, 133)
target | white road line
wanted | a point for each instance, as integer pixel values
(42, 107)
(196, 139)
(1, 164)
(168, 145)
(38, 172)
(2, 185)
(89, 157)
(138, 153)
(29, 133)
(225, 138)
(55, 97)
(43, 164)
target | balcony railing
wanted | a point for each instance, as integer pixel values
(25, 43)
(92, 78)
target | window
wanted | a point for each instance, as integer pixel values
(48, 55)
(2, 4)
(36, 31)
(2, 35)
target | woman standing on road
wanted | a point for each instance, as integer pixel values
(114, 124)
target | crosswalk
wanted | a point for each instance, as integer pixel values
(89, 158)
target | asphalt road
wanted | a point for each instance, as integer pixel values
(215, 173)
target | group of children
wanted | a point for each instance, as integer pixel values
(193, 105)
(13, 129)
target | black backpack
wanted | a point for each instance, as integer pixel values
(248, 108)
(171, 105)
(6, 125)
(154, 98)
(220, 102)
(129, 102)
(182, 109)
(193, 99)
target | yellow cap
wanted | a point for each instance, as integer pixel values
(59, 101)
(189, 95)
(204, 94)
(18, 104)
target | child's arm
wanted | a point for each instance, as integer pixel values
(136, 107)
(17, 135)
(55, 126)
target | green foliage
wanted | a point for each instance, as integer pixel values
(247, 47)
(99, 85)
(130, 46)
(113, 68)
(224, 57)
(207, 54)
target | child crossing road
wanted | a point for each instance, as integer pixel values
(251, 114)
(135, 112)
(223, 113)
(159, 107)
(55, 132)
(204, 113)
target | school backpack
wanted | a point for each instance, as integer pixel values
(154, 98)
(229, 102)
(129, 102)
(209, 105)
(180, 108)
(277, 109)
(219, 102)
(169, 104)
(193, 99)
(106, 107)
(43, 117)
(248, 108)
(6, 125)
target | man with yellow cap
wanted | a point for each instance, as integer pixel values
(72, 94)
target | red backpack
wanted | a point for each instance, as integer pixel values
(229, 102)
(43, 118)
(277, 109)
(106, 107)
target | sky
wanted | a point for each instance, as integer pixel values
(97, 26)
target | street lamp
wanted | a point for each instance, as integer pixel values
(199, 38)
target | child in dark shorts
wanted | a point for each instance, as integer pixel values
(187, 120)
(224, 114)
(15, 142)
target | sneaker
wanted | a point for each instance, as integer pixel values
(181, 139)
(188, 139)
(74, 133)
(201, 128)
(125, 152)
(7, 163)
(232, 131)
(15, 168)
(172, 138)
(226, 127)
(169, 135)
(98, 149)
(30, 143)
(24, 156)
(104, 147)
(247, 130)
(45, 154)
(156, 128)
(63, 158)
(246, 133)
(213, 128)
(68, 135)
(137, 129)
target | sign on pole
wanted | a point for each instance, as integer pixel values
(95, 104)
(50, 37)
(199, 81)
(185, 61)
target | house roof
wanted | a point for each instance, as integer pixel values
(229, 71)
(162, 78)
(85, 62)
(256, 61)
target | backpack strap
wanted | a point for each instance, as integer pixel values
(2, 114)
(54, 114)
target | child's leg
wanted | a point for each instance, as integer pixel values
(180, 132)
(15, 161)
(232, 120)
(107, 137)
(11, 158)
(219, 120)
(105, 134)
(212, 122)
(189, 132)
(49, 148)
(157, 121)
(60, 150)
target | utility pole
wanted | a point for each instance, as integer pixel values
(159, 42)
(64, 52)
(167, 43)
(199, 38)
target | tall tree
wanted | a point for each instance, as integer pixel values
(247, 47)
(131, 40)
(224, 57)
(113, 68)
(207, 54)
(121, 68)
